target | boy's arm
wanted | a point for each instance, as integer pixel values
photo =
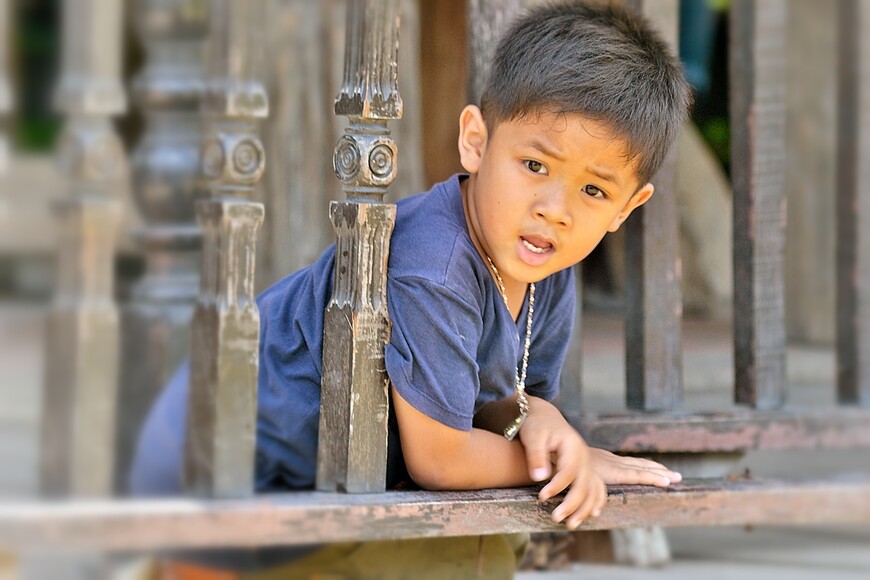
(441, 457)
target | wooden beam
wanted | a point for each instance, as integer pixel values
(654, 302)
(727, 432)
(853, 206)
(757, 73)
(314, 517)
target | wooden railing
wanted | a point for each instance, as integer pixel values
(88, 417)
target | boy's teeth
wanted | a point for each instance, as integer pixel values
(533, 248)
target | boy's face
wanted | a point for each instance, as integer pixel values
(543, 191)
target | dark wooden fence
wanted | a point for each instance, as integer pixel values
(200, 159)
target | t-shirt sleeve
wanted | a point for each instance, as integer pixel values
(551, 336)
(431, 356)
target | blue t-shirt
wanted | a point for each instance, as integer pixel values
(454, 347)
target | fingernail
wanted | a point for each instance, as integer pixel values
(540, 473)
(596, 513)
(557, 515)
(666, 481)
(677, 477)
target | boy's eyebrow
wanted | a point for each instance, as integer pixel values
(604, 174)
(544, 148)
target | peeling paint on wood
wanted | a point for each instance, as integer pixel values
(313, 517)
(727, 432)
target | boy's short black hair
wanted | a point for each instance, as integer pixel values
(601, 62)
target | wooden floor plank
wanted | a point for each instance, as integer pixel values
(314, 517)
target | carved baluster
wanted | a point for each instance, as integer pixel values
(758, 161)
(652, 256)
(165, 169)
(352, 453)
(78, 421)
(221, 427)
(853, 206)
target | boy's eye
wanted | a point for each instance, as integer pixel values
(536, 167)
(593, 191)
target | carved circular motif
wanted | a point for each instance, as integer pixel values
(346, 159)
(212, 159)
(381, 160)
(247, 157)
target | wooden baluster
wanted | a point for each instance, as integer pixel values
(78, 419)
(757, 55)
(487, 21)
(165, 167)
(853, 206)
(653, 273)
(222, 416)
(352, 452)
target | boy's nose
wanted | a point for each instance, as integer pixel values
(552, 206)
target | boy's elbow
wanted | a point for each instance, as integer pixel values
(431, 477)
(430, 474)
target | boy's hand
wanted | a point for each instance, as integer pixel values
(551, 443)
(556, 451)
(618, 470)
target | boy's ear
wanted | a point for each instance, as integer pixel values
(638, 199)
(472, 138)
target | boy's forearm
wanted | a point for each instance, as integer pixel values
(441, 457)
(488, 460)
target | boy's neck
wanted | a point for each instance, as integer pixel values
(516, 292)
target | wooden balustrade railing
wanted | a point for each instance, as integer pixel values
(83, 355)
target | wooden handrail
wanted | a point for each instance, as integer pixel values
(317, 517)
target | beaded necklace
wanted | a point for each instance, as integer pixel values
(511, 430)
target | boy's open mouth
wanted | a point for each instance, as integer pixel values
(537, 245)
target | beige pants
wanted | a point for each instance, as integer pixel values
(490, 557)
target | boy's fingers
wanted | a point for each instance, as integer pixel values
(643, 477)
(591, 505)
(538, 461)
(566, 473)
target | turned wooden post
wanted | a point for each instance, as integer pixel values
(222, 404)
(853, 206)
(78, 418)
(155, 324)
(758, 169)
(653, 273)
(352, 449)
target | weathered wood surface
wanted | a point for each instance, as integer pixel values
(354, 409)
(487, 20)
(653, 273)
(79, 399)
(853, 206)
(313, 517)
(728, 432)
(222, 414)
(757, 73)
(155, 324)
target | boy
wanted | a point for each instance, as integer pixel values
(581, 106)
